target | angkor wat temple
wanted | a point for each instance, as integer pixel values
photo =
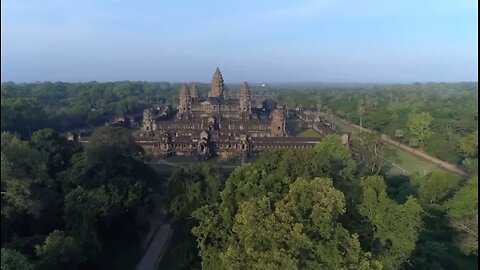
(218, 124)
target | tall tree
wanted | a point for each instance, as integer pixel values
(14, 260)
(338, 155)
(394, 228)
(469, 145)
(22, 168)
(105, 189)
(463, 212)
(419, 126)
(399, 134)
(436, 186)
(56, 150)
(188, 190)
(59, 251)
(81, 217)
(361, 109)
(370, 148)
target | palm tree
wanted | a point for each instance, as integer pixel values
(361, 112)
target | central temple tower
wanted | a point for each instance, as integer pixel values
(217, 87)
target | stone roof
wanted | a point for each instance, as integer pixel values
(214, 100)
(231, 101)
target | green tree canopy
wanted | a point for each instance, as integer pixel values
(59, 251)
(394, 228)
(14, 260)
(463, 212)
(22, 169)
(469, 145)
(369, 150)
(56, 150)
(436, 186)
(419, 126)
(189, 189)
(260, 225)
(108, 144)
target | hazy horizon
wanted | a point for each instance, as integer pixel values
(252, 83)
(331, 42)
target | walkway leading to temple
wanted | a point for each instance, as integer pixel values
(159, 243)
(156, 241)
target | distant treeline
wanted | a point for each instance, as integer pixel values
(27, 107)
(63, 106)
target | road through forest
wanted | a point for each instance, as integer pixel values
(156, 241)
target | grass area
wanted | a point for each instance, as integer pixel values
(308, 133)
(402, 160)
(406, 161)
(295, 127)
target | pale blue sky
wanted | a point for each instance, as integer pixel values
(250, 40)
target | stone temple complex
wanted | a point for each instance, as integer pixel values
(218, 124)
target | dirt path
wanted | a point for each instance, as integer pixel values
(447, 166)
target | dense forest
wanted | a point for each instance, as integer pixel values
(310, 209)
(61, 203)
(321, 209)
(66, 106)
(66, 205)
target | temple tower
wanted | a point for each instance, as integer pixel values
(277, 126)
(217, 88)
(245, 99)
(184, 104)
(148, 122)
(194, 91)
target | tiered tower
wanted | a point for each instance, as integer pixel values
(184, 104)
(245, 99)
(148, 123)
(277, 126)
(194, 91)
(217, 87)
